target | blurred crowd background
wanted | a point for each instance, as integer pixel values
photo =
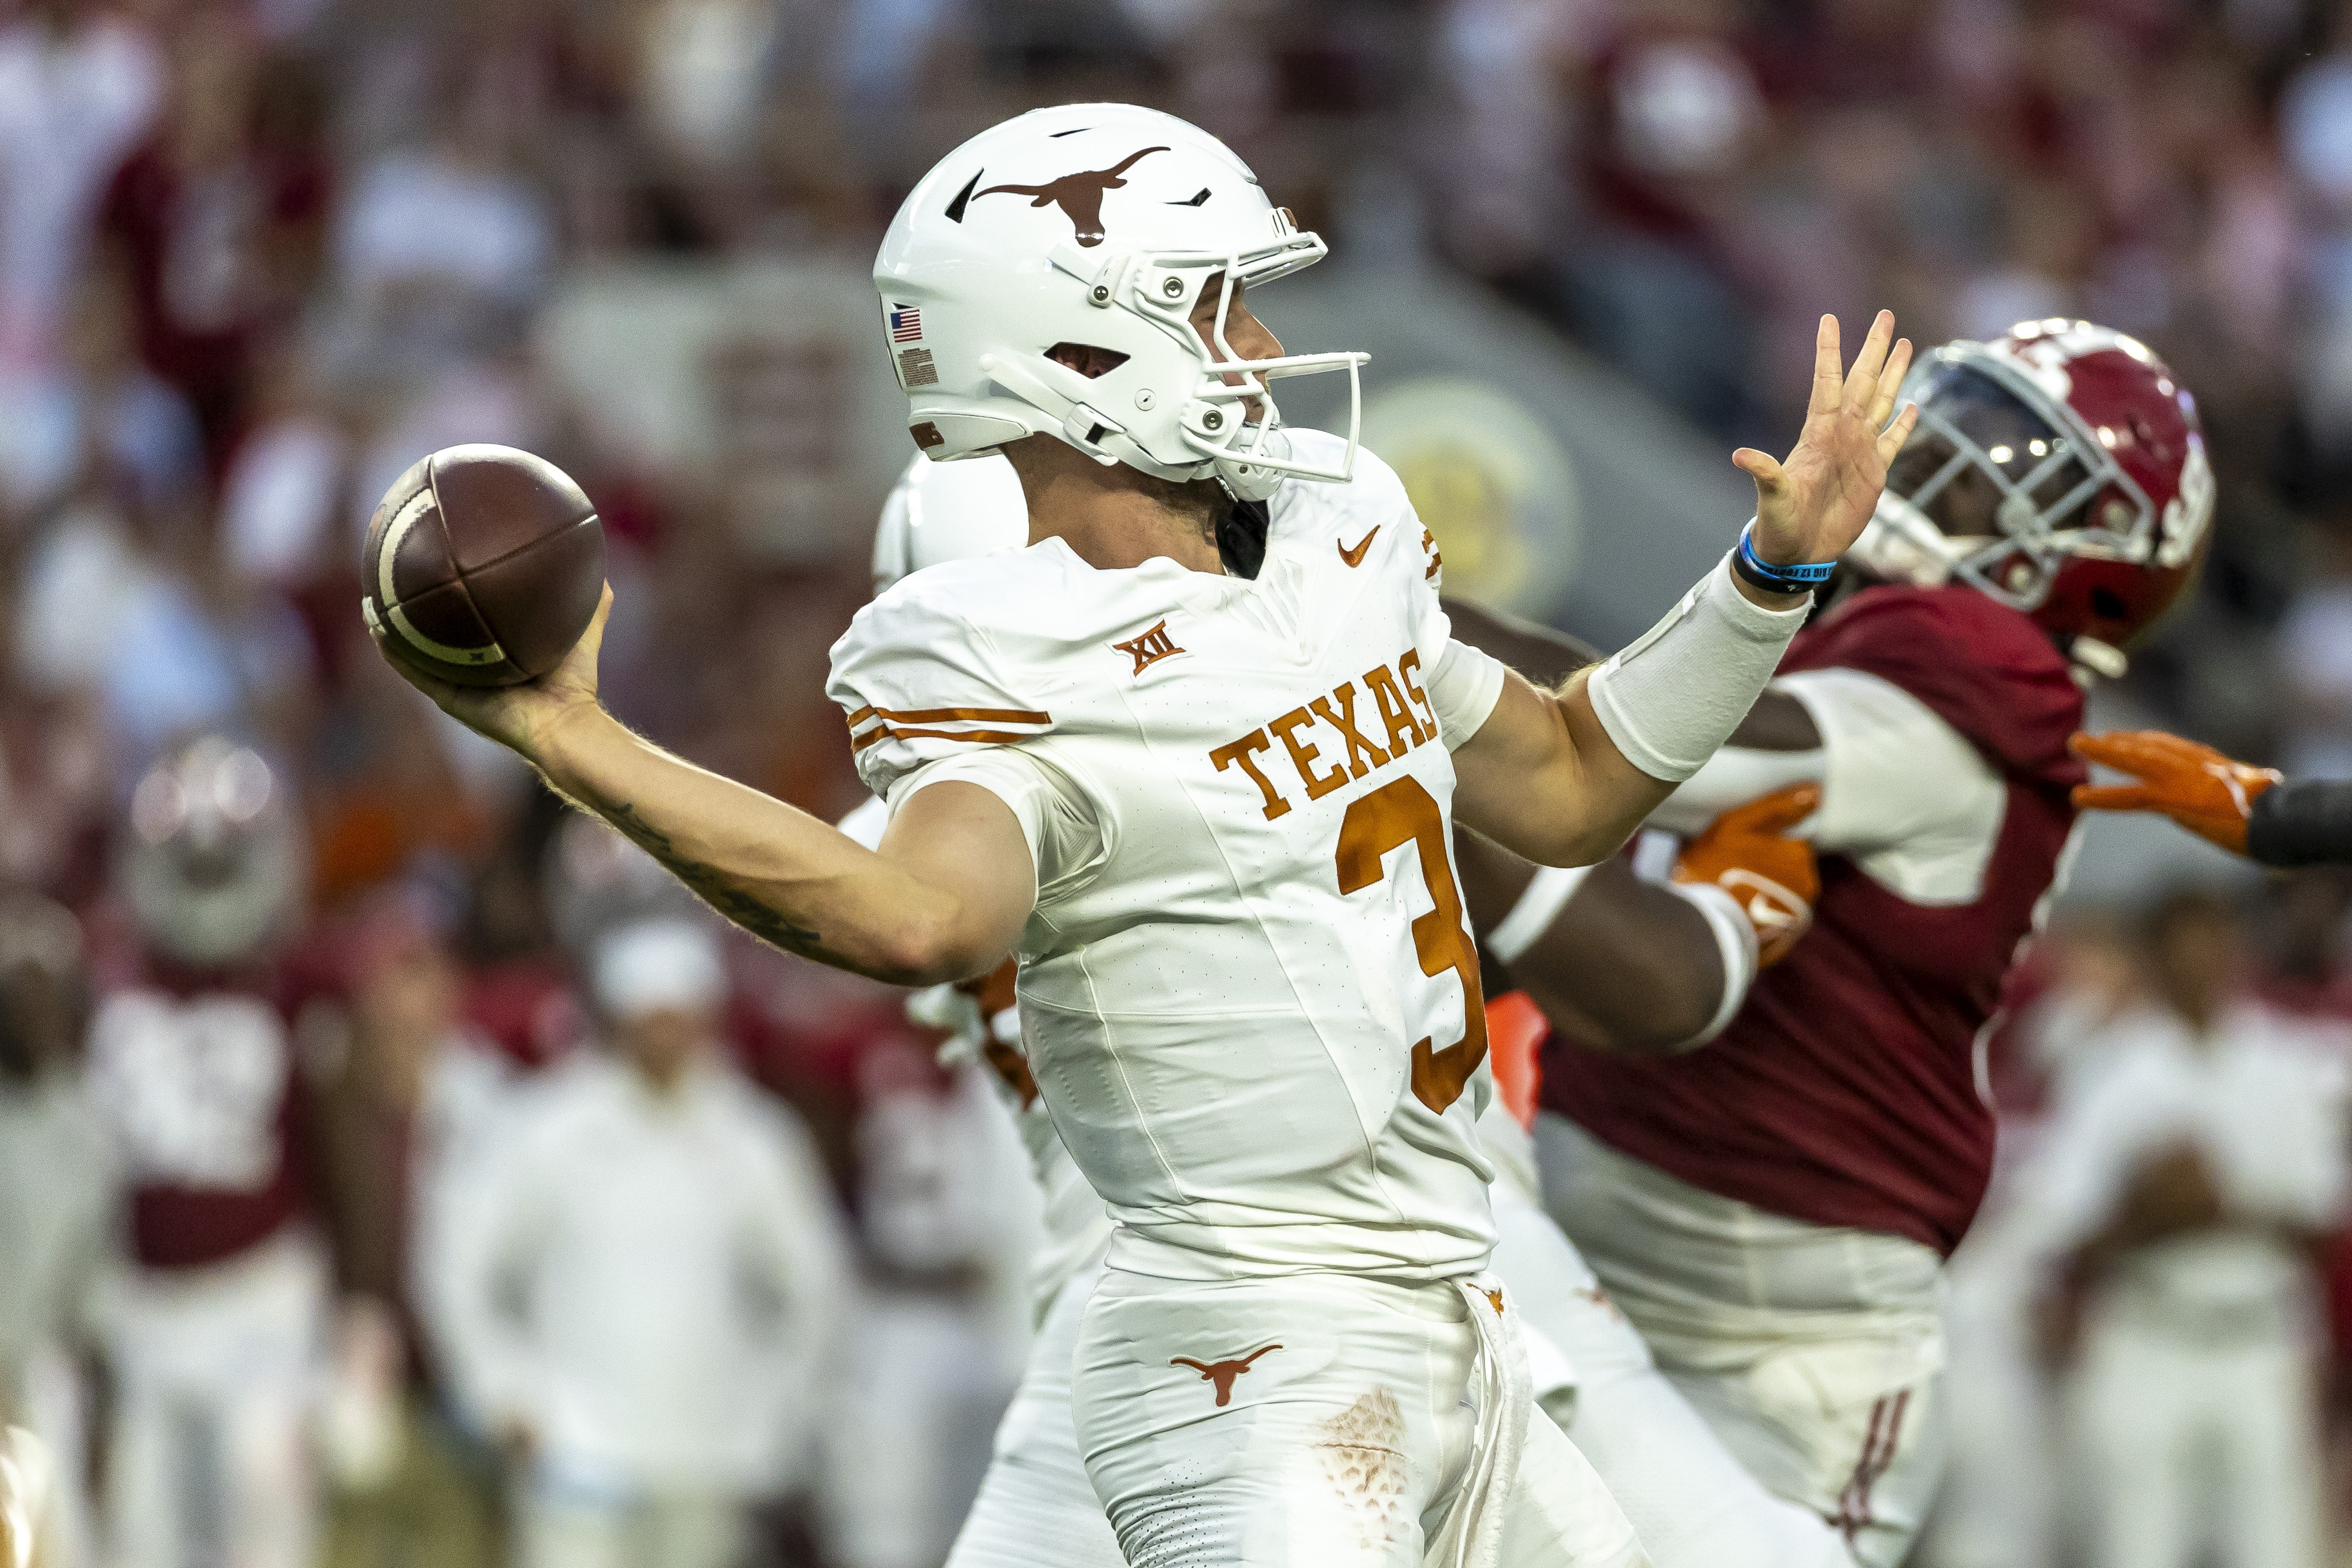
(415, 1180)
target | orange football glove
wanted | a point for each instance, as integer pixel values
(2194, 785)
(1746, 852)
(1516, 1030)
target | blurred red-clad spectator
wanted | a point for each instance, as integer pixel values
(221, 215)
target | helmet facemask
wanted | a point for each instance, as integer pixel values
(1999, 486)
(1229, 426)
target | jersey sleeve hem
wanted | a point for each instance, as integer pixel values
(1464, 689)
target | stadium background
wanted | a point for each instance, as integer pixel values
(256, 257)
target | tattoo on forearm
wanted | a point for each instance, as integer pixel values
(713, 886)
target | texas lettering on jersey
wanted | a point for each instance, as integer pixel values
(1401, 727)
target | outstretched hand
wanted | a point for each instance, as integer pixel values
(2200, 788)
(518, 717)
(1814, 505)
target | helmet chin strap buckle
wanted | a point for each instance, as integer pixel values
(1243, 476)
(1084, 427)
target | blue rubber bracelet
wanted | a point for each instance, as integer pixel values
(1799, 579)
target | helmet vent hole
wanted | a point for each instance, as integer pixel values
(2109, 605)
(1087, 359)
(964, 197)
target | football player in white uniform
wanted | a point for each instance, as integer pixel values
(1690, 1503)
(1207, 799)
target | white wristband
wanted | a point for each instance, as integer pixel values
(1673, 698)
(1540, 904)
(1735, 941)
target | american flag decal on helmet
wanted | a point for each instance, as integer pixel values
(906, 324)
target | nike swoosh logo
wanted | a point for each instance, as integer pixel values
(1355, 557)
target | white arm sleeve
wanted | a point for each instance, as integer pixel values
(1463, 691)
(1735, 943)
(1549, 891)
(1671, 698)
(1539, 903)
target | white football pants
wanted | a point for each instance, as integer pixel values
(27, 1503)
(2196, 1452)
(1037, 1508)
(1322, 1421)
(1691, 1503)
(215, 1371)
(1814, 1355)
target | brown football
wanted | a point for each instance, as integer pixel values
(484, 565)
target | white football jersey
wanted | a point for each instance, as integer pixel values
(1077, 1227)
(1249, 992)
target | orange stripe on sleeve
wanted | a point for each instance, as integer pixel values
(944, 715)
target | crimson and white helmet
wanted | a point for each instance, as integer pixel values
(2060, 469)
(1094, 223)
(212, 862)
(949, 512)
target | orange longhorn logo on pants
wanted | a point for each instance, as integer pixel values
(1222, 1373)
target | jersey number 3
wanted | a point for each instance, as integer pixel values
(1391, 817)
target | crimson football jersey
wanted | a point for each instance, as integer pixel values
(198, 1083)
(1845, 1091)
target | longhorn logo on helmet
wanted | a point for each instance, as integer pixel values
(1079, 196)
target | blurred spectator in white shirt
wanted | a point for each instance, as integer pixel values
(407, 1094)
(2315, 132)
(642, 1298)
(59, 1195)
(79, 85)
(2186, 1188)
(282, 495)
(443, 243)
(435, 218)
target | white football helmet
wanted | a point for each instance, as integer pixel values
(949, 512)
(1094, 223)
